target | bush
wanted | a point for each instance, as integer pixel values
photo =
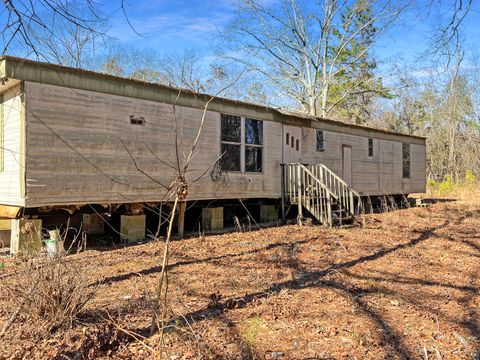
(48, 292)
(432, 183)
(446, 186)
(470, 177)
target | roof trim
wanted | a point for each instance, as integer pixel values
(41, 72)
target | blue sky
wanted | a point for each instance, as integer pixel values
(173, 26)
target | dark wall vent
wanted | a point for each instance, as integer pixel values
(140, 120)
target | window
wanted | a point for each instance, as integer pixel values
(253, 145)
(287, 139)
(370, 147)
(230, 157)
(253, 159)
(297, 145)
(231, 128)
(233, 143)
(406, 160)
(320, 141)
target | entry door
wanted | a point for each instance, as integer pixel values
(292, 144)
(347, 164)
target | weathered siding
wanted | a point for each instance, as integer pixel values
(418, 178)
(11, 173)
(81, 149)
(377, 175)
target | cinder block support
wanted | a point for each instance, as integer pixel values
(93, 224)
(25, 235)
(212, 219)
(132, 227)
(5, 238)
(268, 213)
(5, 226)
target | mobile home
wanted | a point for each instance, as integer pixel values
(72, 138)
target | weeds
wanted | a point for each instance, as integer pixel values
(53, 294)
(251, 330)
(242, 226)
(467, 191)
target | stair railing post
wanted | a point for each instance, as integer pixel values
(282, 189)
(352, 210)
(329, 210)
(299, 194)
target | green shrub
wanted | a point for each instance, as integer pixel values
(446, 186)
(470, 177)
(432, 183)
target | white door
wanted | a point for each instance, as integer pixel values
(292, 144)
(347, 164)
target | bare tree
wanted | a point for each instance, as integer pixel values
(185, 70)
(178, 191)
(447, 34)
(299, 48)
(128, 61)
(70, 44)
(27, 25)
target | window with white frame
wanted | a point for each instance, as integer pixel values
(241, 144)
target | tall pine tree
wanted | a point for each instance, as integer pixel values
(356, 87)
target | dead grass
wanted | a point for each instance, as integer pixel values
(467, 194)
(405, 286)
(51, 297)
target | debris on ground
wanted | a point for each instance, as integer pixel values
(399, 285)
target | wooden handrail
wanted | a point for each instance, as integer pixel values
(313, 187)
(339, 186)
(302, 187)
(307, 170)
(339, 179)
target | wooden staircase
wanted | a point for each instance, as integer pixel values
(317, 189)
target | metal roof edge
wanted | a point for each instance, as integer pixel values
(36, 71)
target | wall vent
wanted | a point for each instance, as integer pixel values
(140, 120)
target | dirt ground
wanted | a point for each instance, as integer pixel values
(404, 285)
